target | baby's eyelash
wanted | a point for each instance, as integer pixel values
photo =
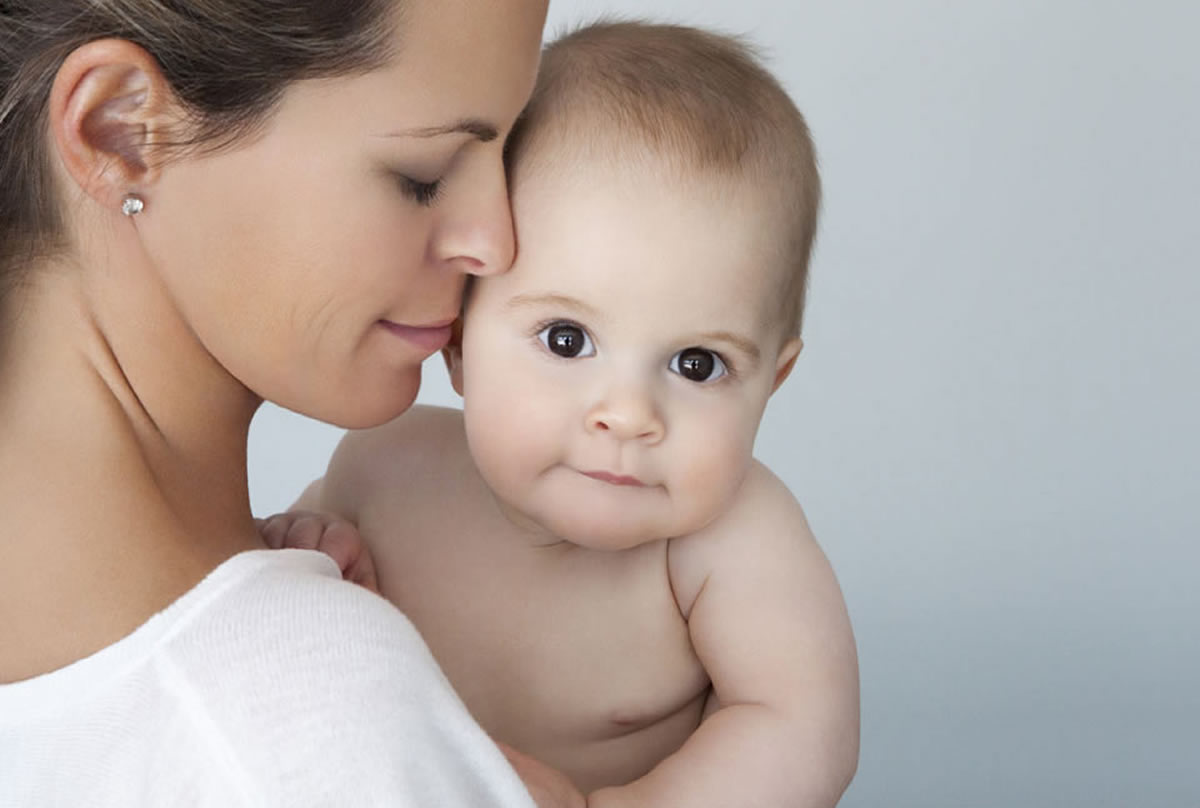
(542, 325)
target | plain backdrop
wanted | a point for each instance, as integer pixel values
(993, 427)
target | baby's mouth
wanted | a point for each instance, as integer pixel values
(614, 479)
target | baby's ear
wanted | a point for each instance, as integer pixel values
(786, 361)
(452, 354)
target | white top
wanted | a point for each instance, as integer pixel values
(271, 683)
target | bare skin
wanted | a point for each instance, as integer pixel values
(82, 571)
(611, 582)
(595, 661)
(134, 361)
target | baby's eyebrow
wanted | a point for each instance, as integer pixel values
(743, 344)
(529, 300)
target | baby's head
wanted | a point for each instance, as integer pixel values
(685, 106)
(665, 197)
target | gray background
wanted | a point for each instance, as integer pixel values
(993, 427)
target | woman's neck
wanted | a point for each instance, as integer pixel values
(122, 467)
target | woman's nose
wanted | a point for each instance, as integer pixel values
(627, 415)
(477, 237)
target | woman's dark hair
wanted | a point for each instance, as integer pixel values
(228, 61)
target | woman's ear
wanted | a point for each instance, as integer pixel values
(110, 105)
(786, 361)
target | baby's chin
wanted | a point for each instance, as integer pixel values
(602, 529)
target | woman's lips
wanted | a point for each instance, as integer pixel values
(429, 338)
(614, 479)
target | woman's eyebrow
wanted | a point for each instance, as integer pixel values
(480, 129)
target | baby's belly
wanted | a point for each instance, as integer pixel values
(579, 659)
(613, 747)
(604, 701)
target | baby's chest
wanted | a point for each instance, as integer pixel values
(580, 647)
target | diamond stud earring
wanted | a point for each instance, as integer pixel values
(132, 205)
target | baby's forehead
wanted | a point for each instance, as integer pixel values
(620, 253)
(626, 170)
(617, 199)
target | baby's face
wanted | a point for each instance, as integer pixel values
(614, 379)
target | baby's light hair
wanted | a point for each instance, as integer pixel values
(698, 101)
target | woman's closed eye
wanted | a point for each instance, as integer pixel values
(423, 193)
(699, 365)
(567, 339)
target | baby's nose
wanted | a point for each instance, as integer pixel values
(627, 416)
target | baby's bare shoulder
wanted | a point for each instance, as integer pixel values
(400, 458)
(763, 521)
(763, 510)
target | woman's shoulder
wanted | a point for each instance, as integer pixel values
(285, 625)
(317, 683)
(278, 600)
(271, 680)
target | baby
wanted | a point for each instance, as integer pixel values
(609, 579)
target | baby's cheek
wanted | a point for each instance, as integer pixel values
(509, 436)
(712, 476)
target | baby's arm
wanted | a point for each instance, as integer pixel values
(768, 622)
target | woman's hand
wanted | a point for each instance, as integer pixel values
(331, 534)
(549, 787)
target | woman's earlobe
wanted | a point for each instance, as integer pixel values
(109, 107)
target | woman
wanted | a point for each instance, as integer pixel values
(204, 205)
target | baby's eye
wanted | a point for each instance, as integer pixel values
(567, 340)
(698, 365)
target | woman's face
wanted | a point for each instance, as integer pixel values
(321, 262)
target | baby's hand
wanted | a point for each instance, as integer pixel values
(332, 535)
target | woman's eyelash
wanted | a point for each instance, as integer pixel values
(423, 193)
